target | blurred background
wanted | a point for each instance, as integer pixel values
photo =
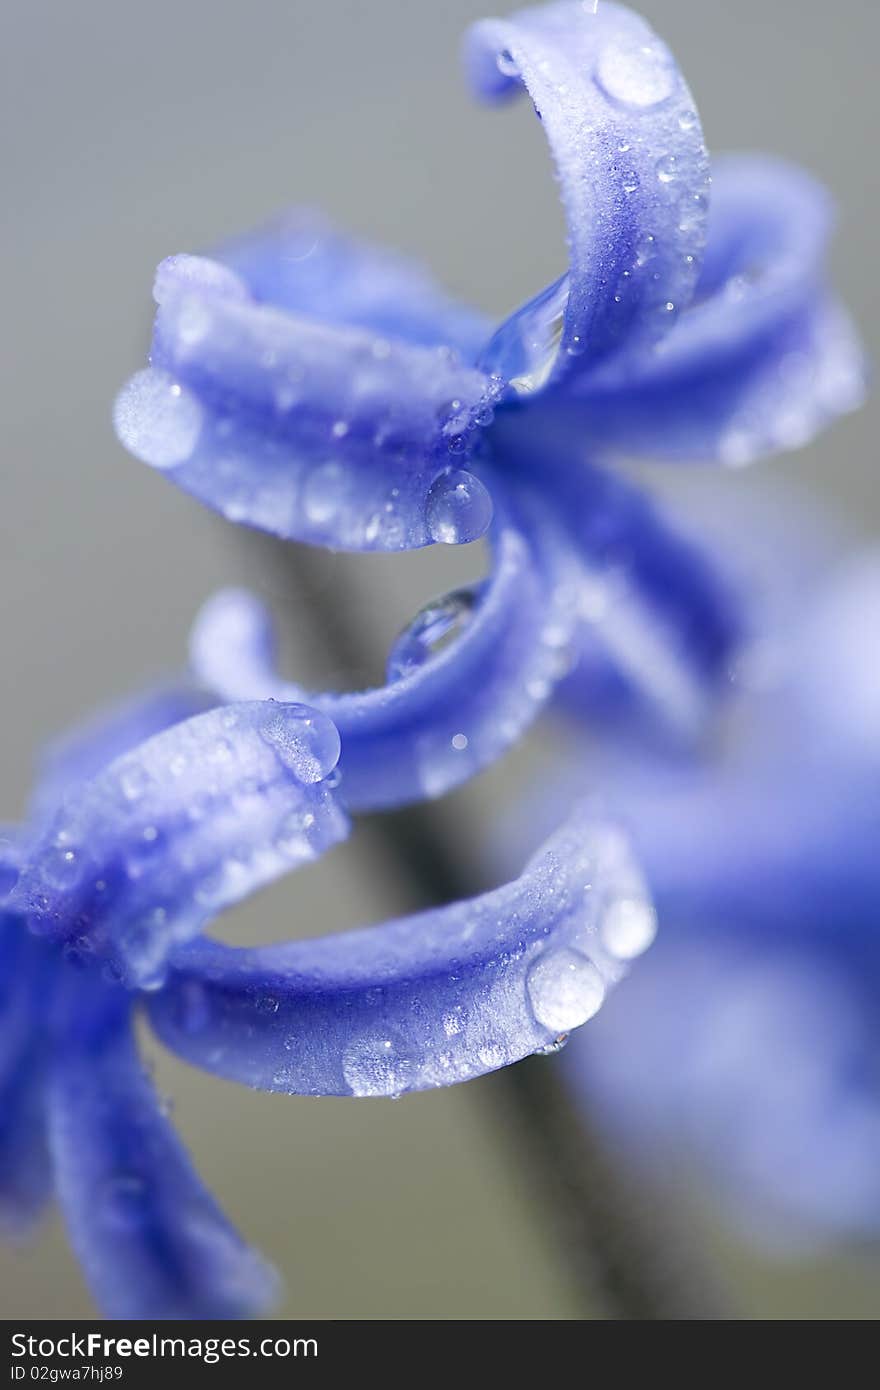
(131, 131)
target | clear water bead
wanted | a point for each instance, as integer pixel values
(459, 509)
(376, 1065)
(565, 989)
(629, 925)
(636, 75)
(525, 348)
(156, 419)
(305, 740)
(431, 631)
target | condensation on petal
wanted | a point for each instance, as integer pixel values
(465, 679)
(423, 1001)
(137, 859)
(763, 359)
(634, 179)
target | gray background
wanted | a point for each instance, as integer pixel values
(134, 130)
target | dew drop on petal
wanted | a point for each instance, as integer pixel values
(458, 509)
(158, 420)
(507, 64)
(375, 1064)
(305, 740)
(524, 350)
(628, 927)
(635, 75)
(565, 989)
(432, 630)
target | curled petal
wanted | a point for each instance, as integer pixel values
(308, 429)
(152, 1241)
(633, 169)
(302, 263)
(78, 756)
(137, 859)
(763, 358)
(447, 710)
(422, 1001)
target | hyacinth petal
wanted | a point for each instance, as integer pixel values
(151, 1239)
(25, 1178)
(658, 622)
(764, 357)
(309, 429)
(423, 1001)
(628, 147)
(190, 821)
(301, 263)
(77, 756)
(444, 713)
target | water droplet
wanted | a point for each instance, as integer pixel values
(640, 76)
(565, 989)
(322, 492)
(133, 781)
(526, 346)
(646, 249)
(507, 64)
(156, 419)
(553, 1047)
(292, 839)
(305, 740)
(667, 168)
(688, 120)
(267, 1004)
(458, 508)
(432, 630)
(628, 927)
(459, 742)
(375, 1064)
(61, 867)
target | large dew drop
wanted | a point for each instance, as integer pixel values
(431, 631)
(565, 989)
(459, 509)
(629, 925)
(156, 419)
(376, 1065)
(525, 348)
(305, 740)
(639, 76)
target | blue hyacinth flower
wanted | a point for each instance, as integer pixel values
(745, 1044)
(146, 825)
(328, 392)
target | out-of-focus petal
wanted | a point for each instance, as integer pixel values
(302, 263)
(426, 1000)
(151, 1240)
(755, 1062)
(464, 680)
(78, 756)
(311, 430)
(137, 859)
(658, 619)
(763, 358)
(633, 171)
(25, 1179)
